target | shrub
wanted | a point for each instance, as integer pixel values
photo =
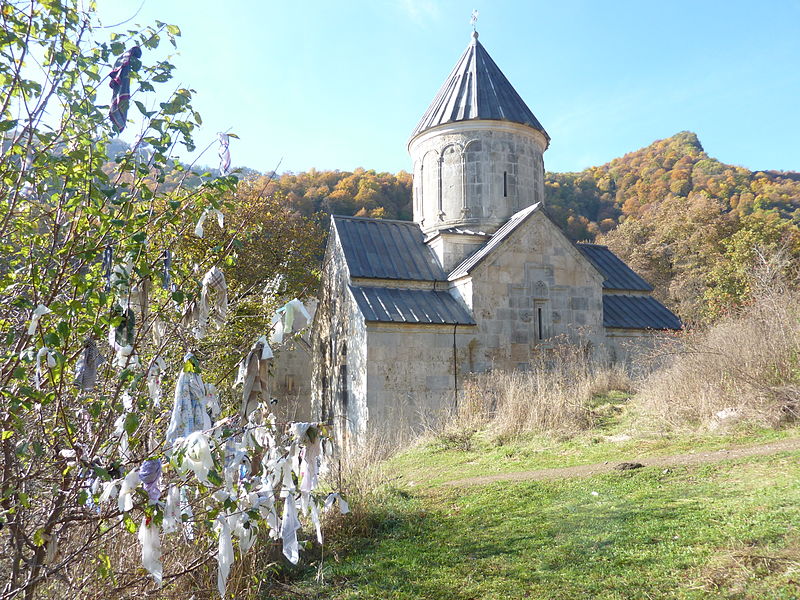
(746, 368)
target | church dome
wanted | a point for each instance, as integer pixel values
(476, 89)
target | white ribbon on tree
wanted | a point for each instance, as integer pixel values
(198, 229)
(150, 539)
(50, 360)
(38, 313)
(224, 552)
(289, 526)
(224, 153)
(126, 491)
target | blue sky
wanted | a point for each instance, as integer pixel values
(338, 85)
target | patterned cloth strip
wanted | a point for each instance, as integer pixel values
(224, 153)
(86, 368)
(121, 86)
(108, 258)
(167, 280)
(150, 474)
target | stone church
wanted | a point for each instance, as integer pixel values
(481, 279)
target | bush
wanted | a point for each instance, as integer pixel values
(746, 368)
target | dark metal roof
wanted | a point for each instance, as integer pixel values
(477, 89)
(508, 227)
(637, 312)
(384, 249)
(390, 305)
(618, 275)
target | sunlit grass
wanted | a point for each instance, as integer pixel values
(727, 530)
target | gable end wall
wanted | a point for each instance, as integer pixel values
(506, 294)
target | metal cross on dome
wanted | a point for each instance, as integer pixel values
(474, 18)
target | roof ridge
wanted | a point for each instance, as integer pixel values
(354, 218)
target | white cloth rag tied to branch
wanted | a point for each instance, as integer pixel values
(254, 376)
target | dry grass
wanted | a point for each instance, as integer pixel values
(746, 368)
(361, 478)
(554, 395)
(748, 570)
(190, 569)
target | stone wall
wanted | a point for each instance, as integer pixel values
(291, 382)
(476, 173)
(413, 372)
(627, 346)
(339, 382)
(533, 291)
(452, 248)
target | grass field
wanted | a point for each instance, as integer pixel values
(724, 530)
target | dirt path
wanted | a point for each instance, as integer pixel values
(694, 458)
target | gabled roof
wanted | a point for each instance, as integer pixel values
(477, 89)
(618, 275)
(384, 249)
(637, 312)
(473, 260)
(392, 305)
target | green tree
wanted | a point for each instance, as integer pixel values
(85, 243)
(763, 238)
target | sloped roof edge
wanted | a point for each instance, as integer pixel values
(618, 275)
(414, 307)
(621, 311)
(477, 257)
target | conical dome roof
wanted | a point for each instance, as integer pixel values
(477, 89)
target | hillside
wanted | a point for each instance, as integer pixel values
(676, 169)
(588, 203)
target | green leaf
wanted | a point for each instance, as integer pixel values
(129, 523)
(143, 110)
(38, 537)
(104, 565)
(7, 125)
(102, 473)
(214, 478)
(131, 423)
(173, 30)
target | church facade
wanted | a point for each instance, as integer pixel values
(481, 279)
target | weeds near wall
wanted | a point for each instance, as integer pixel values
(361, 476)
(554, 395)
(746, 368)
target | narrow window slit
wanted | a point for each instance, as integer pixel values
(539, 317)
